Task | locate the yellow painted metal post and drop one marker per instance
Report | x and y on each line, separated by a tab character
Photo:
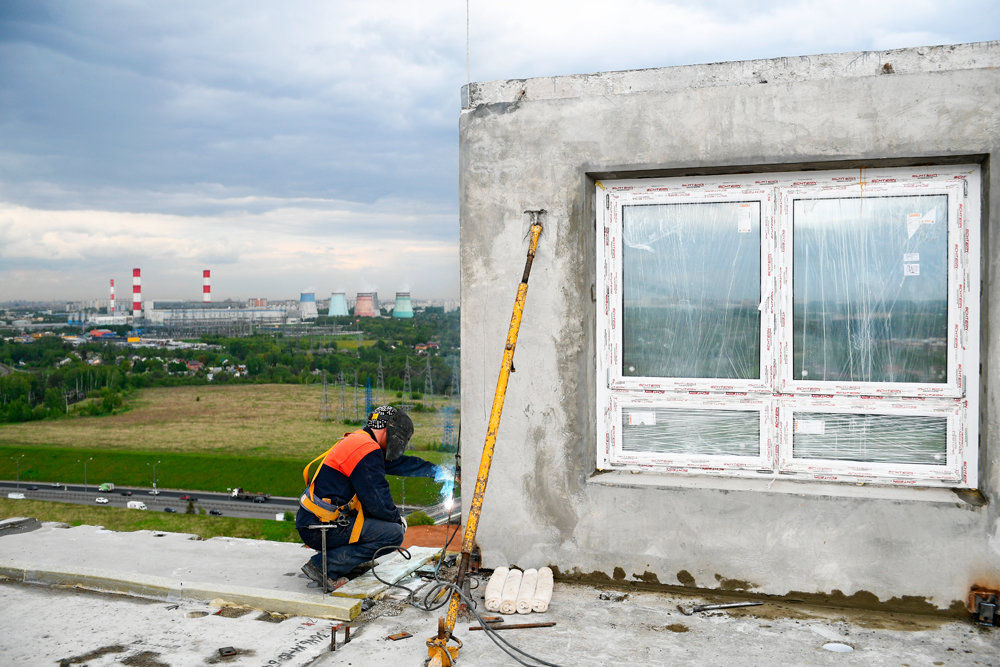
440	653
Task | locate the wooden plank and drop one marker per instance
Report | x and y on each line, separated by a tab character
392	568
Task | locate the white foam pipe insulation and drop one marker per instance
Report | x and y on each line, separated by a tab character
526	593
494	588
508	599
543	590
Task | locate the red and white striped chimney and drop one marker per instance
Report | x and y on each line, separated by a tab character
111	303
136	293
206	286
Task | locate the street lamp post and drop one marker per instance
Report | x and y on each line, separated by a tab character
154	473
85	472
17	461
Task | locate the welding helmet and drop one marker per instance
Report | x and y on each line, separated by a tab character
398	429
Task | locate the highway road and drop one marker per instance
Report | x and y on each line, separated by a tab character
172	498
221	502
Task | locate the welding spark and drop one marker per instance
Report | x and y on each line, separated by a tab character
446	477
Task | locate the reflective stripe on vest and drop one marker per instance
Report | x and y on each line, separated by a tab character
343	457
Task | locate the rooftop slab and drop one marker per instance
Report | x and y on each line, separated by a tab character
60	622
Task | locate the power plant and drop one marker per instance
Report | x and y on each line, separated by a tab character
193	317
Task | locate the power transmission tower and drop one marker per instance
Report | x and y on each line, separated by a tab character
324	408
342	384
454	389
428	380
380	387
407	389
357	406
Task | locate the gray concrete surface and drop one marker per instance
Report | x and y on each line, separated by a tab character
542	144
47	624
170	566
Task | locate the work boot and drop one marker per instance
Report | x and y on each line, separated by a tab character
359	570
313	573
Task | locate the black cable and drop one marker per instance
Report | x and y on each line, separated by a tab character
436	589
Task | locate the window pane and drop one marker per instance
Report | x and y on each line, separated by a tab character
870	287
870	438
674	431
691	288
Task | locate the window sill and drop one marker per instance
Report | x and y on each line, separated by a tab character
648	479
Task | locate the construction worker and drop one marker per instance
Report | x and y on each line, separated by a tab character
349	491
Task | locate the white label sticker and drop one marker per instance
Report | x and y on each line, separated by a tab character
743	223
911	269
810	426
642	419
930	217
913	222
911	257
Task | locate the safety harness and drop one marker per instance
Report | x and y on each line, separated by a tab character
326	511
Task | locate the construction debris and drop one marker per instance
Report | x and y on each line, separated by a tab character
687	611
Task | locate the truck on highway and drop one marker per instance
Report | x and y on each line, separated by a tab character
259	497
136	505
107	486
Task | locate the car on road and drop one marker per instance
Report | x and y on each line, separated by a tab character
154	492
187	497
169	509
215	512
58	485
32	488
125	493
101	500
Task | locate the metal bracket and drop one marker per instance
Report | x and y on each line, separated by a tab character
986	609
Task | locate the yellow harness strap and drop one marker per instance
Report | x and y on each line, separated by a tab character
326	511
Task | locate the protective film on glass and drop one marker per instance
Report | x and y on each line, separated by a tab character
691	290
686	431
870	438
870	289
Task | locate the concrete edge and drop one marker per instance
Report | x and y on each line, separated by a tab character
164	588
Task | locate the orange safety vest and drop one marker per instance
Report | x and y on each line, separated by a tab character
343	457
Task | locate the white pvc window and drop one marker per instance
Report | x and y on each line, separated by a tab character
811	324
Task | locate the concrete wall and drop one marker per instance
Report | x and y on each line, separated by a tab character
541	143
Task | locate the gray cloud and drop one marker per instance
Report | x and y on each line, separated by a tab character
278	140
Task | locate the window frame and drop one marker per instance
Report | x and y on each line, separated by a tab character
776	395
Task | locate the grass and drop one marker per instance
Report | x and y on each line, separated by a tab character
212	438
269	421
125	520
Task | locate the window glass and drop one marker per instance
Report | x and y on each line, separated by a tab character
870	438
870	289
691	290
687	431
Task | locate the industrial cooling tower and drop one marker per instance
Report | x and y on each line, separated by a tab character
338	304
365	305
403	308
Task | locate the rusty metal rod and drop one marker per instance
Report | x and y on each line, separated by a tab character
514	626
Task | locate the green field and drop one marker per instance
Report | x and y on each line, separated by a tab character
213	438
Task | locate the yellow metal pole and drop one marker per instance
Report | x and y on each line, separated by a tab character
440	653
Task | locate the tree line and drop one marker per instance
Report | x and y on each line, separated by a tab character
50	377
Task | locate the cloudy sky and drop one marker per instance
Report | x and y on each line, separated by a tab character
309	144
